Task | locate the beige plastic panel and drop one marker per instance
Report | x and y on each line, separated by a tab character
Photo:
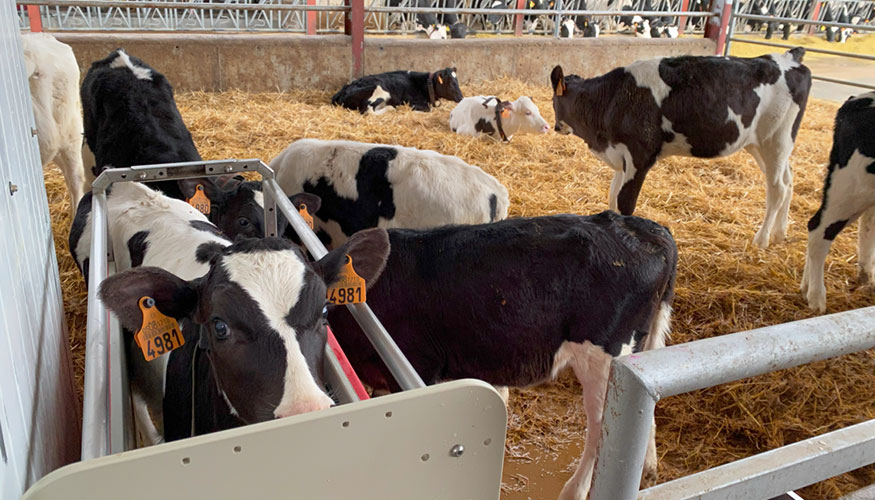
355	451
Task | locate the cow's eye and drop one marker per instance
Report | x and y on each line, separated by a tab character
325	312
221	329
243	221
528	113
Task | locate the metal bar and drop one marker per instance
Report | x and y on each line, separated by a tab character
730	27
844	82
815	15
558	19
725	18
623	435
518	18
95	399
388	350
357	18
527	12
753	17
134	4
36	22
120	417
682	22
776	471
807	49
709	362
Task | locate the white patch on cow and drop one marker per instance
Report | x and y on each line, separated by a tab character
646	75
785	61
334	231
379	93
429	189
258	197
672	31
628	348
123	60
678	146
274	280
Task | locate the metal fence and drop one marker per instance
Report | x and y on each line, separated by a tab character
638	381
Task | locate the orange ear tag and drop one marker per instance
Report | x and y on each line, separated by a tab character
200	201
305	214
349	287
159	334
440	80
505	113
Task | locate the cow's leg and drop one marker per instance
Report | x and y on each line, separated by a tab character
659	329
812	275
504	392
772	158
591	365
779	230
866	247
616	184
69	160
633	179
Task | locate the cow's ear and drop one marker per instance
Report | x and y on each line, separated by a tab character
214	189
557	79
310	201
369	250
122	292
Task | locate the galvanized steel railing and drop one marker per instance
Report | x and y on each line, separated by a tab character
638	381
105	414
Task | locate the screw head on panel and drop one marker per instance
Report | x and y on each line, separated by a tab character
457	451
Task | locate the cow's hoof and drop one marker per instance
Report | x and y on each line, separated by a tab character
817	301
761	239
778	236
648	478
866	278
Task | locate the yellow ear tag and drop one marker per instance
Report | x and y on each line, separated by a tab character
200	201
159	334
440	80
531	5
349	287
305	214
505	113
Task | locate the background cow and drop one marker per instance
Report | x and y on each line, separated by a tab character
53	76
501	120
848	194
690	106
516	301
376	94
374	185
131	119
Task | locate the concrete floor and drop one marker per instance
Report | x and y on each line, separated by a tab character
842	68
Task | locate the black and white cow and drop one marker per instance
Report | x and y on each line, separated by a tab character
130	118
374	185
516	301
703	107
376	94
848	194
492	117
250	314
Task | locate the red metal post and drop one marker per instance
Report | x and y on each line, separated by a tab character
717	28
36	22
357	14
682	22
815	15
312	19
518	19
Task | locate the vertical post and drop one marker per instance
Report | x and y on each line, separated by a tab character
312	21
626	427
718	25
36	22
347	24
558	20
682	24
518	19
357	14
815	16
730	31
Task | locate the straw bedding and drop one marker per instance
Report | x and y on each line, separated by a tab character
724	284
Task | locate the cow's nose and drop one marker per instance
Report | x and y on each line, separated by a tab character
557	128
545	129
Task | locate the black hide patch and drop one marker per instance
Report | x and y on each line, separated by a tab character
375	197
799	82
404	87
137	247
834	229
484	126
77	228
519	288
206	227
493	207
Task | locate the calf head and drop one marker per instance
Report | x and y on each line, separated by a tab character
446	85
524	118
563	104
258	315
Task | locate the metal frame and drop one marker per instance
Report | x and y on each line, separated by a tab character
638	381
106	415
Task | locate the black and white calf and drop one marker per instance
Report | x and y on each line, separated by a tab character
515	302
374	185
130	118
703	107
492	117
848	194
378	93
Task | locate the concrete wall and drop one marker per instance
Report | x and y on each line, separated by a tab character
271	62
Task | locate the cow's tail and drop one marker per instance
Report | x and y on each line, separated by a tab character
660	325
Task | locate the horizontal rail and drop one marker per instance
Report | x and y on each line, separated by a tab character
790	20
638	381
139	4
775	471
850	83
388	350
865	57
533	12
